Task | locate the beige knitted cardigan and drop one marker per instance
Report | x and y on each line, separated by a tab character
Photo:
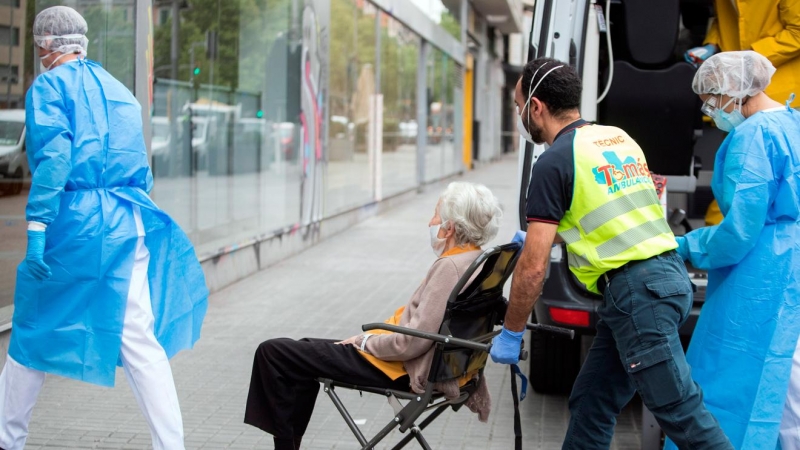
425	312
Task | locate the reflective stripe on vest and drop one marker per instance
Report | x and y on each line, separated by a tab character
615	216
622	205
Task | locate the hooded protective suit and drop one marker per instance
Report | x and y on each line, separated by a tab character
770	27
742	348
89	165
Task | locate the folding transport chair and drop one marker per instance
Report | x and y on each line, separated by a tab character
462	347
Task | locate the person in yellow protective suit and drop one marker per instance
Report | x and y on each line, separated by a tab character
770	27
713	214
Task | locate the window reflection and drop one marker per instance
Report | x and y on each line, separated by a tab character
353	101
443	154
444	13
237	118
399	55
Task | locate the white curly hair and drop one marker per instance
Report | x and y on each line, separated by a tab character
473	210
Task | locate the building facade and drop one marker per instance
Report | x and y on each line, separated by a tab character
274	123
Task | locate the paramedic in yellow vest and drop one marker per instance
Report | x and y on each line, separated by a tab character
770	27
592	190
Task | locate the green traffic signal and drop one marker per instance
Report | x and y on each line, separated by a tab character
196	71
260	114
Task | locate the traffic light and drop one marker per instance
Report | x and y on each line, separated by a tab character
196	78
260	114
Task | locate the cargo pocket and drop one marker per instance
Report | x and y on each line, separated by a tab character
668	288
674	302
655	375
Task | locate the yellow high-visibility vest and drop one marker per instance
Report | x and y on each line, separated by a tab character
615	216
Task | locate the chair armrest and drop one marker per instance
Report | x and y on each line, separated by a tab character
473	345
429	336
566	332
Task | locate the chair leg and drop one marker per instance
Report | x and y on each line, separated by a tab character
421	439
382	434
345	415
431	417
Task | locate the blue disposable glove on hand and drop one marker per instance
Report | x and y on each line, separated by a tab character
34	258
519	236
697	55
506	346
683	247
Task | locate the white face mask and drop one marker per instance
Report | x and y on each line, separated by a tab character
437	243
531	90
43	68
522	130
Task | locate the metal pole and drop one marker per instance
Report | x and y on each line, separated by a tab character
10	75
142	80
191	65
422	111
174	49
376	169
175	146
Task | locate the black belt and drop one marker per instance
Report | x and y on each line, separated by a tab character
605	278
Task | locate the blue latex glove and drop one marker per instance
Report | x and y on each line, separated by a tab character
698	55
506	347
519	236
683	247
34	257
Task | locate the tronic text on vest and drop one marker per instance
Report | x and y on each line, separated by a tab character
621	174
609	142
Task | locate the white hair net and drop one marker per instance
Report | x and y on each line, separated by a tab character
735	74
61	29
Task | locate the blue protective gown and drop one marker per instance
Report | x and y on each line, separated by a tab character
89	164
742	347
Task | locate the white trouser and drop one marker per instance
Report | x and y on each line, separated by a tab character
143	359
790	423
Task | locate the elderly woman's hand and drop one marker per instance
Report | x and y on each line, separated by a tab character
354	341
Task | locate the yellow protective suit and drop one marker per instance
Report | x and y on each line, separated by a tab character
713	214
770	27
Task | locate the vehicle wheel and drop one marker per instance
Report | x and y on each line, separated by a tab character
554	363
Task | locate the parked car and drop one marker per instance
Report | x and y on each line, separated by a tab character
408	130
200	141
160	146
285	133
13	159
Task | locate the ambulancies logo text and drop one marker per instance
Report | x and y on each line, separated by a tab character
619	174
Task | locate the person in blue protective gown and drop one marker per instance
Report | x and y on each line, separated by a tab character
109	279
744	350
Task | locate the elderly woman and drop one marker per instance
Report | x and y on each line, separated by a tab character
744	349
283	387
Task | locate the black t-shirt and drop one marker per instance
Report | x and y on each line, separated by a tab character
553	179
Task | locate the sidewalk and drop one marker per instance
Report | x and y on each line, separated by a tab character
359	276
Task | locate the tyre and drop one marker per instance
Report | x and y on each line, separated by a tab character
554	363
